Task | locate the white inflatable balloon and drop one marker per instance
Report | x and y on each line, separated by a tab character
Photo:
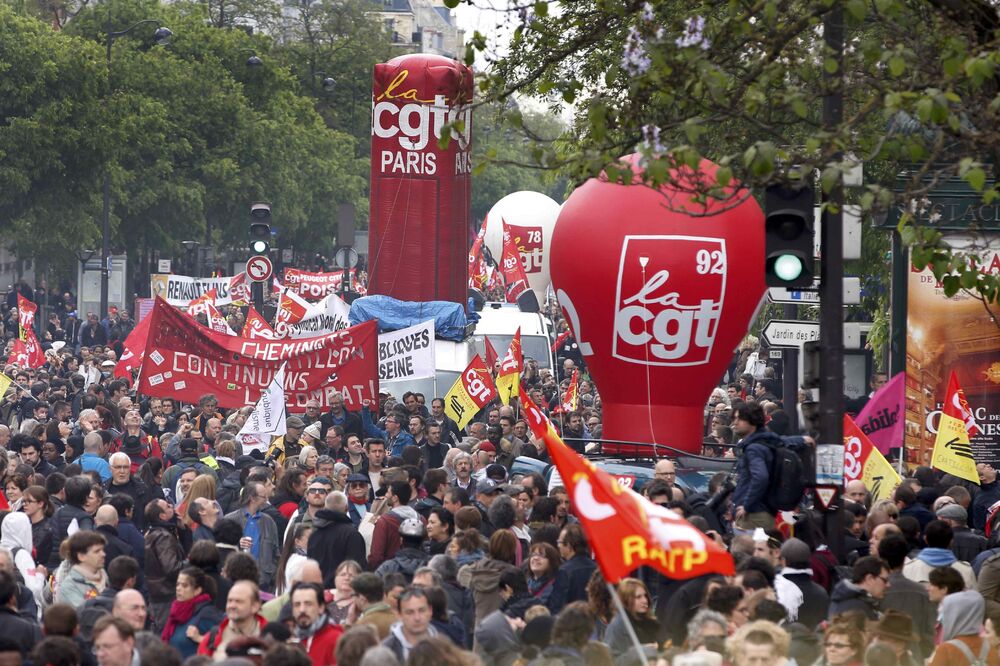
531	217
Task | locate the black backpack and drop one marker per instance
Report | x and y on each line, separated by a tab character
787	483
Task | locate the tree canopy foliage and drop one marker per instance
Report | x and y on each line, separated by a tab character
741	82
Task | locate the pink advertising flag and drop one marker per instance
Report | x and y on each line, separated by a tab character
882	418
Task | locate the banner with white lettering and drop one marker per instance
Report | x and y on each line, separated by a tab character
180	290
185	360
314	286
406	354
327	316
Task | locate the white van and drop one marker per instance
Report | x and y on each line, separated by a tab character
499	322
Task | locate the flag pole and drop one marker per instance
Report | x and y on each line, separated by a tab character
628	624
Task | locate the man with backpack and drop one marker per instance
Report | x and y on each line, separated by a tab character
769	473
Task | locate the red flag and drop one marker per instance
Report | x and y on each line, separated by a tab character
509	377
18	354
200	305
239	290
217	322
257	327
491	355
36	357
292	308
956	405
512	267
134	349
25	314
633	531
571	398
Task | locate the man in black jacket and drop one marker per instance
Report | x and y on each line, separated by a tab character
966	544
334	538
795	555
106	522
123	482
351	423
572	577
26	634
77	492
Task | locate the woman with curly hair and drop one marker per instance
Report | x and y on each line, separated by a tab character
843	644
599	603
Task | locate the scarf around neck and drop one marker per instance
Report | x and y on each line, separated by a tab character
181	613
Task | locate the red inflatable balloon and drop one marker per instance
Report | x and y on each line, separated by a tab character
658	299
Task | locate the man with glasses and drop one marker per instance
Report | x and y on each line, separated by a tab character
868	583
358	497
666	470
315	497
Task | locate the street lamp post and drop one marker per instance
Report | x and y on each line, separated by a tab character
161	35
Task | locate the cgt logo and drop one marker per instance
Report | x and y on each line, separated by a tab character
669	299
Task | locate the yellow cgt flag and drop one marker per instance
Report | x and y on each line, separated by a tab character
952	449
470	393
509	378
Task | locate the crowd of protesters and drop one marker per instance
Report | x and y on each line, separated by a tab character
138	531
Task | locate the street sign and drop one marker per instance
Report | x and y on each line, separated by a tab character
346	257
852	293
785	333
259	269
825	496
163	266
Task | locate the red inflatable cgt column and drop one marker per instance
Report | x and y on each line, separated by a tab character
658	299
420	193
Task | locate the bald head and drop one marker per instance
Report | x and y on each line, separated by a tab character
856	491
106	515
130	606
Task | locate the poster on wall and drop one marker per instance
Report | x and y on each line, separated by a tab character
945	334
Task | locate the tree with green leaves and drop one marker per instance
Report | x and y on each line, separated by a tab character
189	133
740	82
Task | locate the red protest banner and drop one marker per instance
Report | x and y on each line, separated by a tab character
314	286
185	360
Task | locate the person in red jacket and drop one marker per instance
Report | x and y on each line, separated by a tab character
313	627
243	618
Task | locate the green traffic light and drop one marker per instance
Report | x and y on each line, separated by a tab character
788	267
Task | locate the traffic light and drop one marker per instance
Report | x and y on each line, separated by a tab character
260	228
788	233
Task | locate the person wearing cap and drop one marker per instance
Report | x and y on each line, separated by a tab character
895	629
795	556
287	445
311	434
966	544
411	555
395	436
486	491
484	456
189	460
358	497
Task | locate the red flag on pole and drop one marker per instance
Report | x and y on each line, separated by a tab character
633	531
515	278
26	311
18	354
571	398
134	349
491	354
257	327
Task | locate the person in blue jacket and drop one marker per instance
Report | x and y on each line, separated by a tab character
396	438
755	453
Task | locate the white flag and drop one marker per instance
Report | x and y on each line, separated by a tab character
267	420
